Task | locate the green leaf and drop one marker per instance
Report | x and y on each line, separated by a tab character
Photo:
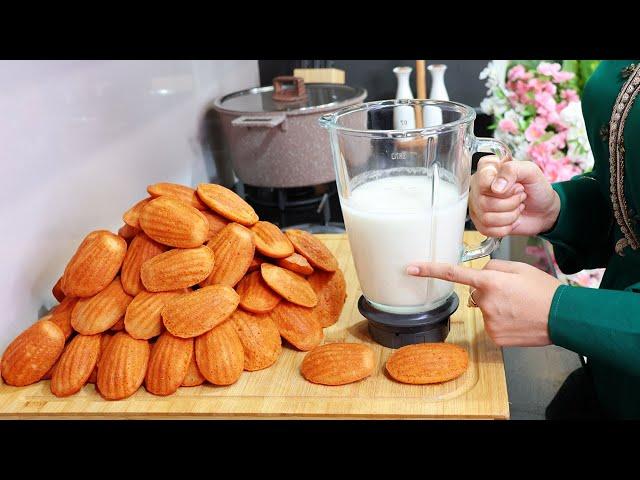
546	137
571	66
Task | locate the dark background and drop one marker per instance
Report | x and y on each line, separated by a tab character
461	78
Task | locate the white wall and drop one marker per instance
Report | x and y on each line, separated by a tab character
79	142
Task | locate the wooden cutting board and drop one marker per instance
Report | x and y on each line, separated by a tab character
281	392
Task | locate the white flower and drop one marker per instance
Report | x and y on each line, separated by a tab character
487	105
513	116
486	71
578	149
572	114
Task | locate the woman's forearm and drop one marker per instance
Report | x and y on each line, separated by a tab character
600	324
582	234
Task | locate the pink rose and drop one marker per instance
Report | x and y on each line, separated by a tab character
548	69
553	70
562	77
516	73
536	129
559	140
570	95
549	87
507	125
561	169
546	101
535	84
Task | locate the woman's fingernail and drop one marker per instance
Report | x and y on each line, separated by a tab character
521	207
413	270
499	185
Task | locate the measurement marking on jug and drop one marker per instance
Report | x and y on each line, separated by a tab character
399	156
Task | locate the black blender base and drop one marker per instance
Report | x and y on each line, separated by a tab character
395	331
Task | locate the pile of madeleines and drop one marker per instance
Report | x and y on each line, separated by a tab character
195	288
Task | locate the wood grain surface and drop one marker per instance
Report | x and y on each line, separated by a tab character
281	392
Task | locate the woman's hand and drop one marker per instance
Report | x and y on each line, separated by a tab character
511	197
514	297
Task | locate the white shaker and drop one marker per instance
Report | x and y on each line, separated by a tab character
433	116
403	117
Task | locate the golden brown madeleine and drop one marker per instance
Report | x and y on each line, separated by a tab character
178	268
174	223
331	289
61	315
227	203
428	363
119	324
193	378
260	339
102	311
179	192
122	366
143	319
94	265
132	216
220	355
216	223
141	249
256	262
297	325
255	294
47	376
104	340
57	290
75	365
32	354
289	285
233	249
128	232
197	312
338	363
296	263
168	364
270	241
311	248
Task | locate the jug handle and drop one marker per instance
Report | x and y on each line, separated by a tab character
489	244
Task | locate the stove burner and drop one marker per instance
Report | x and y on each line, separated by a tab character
395	331
309	208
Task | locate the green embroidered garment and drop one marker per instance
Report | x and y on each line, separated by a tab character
604	324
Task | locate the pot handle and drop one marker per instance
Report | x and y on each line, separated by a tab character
288	88
263	121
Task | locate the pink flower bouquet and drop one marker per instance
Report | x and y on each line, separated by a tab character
537	112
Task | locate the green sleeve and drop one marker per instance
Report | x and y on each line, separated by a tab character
582	235
603	325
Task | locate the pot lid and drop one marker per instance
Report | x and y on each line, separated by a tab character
319	97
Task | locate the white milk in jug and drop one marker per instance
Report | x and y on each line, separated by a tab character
389	224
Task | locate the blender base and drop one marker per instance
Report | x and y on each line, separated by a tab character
395	330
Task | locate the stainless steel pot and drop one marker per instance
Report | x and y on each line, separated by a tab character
273	133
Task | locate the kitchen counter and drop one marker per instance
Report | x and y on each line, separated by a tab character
281	392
